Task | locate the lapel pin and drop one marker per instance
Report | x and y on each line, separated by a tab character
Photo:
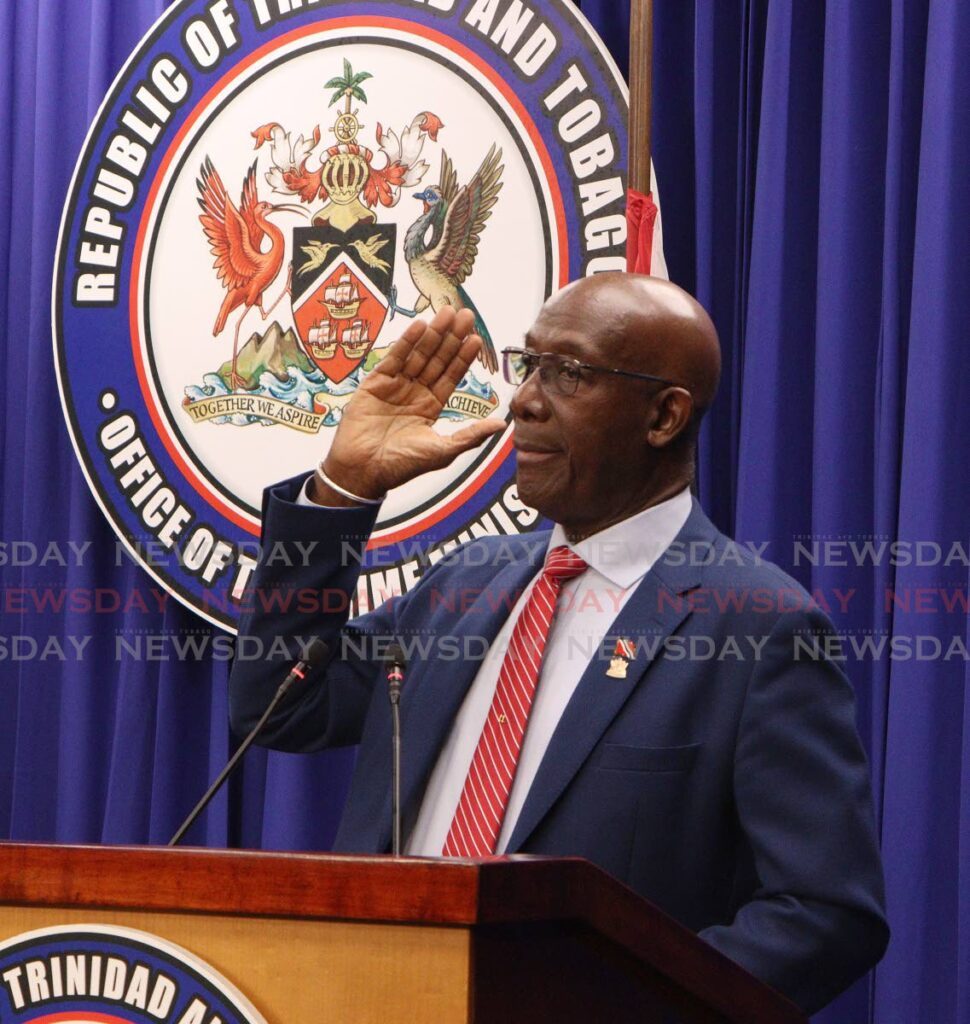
623	654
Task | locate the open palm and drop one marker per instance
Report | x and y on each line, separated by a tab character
386	435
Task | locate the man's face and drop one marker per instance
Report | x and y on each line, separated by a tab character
580	458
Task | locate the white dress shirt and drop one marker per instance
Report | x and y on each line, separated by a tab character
618	559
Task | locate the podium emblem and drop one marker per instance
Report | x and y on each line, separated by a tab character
92	974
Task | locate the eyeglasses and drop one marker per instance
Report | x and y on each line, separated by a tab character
559	374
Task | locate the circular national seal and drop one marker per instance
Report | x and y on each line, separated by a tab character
90	974
271	191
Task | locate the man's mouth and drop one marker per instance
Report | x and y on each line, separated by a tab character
533	449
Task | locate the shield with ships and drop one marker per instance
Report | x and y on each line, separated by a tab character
341	284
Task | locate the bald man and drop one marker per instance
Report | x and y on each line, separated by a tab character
632	705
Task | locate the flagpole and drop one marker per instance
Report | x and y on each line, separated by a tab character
641	73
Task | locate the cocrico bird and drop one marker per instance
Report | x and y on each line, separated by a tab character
442	244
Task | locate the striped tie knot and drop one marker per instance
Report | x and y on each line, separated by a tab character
562	564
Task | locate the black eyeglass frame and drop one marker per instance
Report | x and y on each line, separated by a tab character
537	357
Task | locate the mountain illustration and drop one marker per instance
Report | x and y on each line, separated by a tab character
373	358
271	352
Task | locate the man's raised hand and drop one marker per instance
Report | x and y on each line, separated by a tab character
385	437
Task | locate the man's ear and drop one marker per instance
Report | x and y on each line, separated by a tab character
672	413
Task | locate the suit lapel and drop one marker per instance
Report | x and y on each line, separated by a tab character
651	615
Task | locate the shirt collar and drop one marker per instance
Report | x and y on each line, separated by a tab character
626	551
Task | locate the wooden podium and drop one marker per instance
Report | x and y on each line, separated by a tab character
355	940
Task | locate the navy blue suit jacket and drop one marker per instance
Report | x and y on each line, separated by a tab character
729	789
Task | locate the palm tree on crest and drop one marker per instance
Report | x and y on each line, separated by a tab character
348	87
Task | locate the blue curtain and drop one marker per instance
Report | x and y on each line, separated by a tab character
108	748
814	176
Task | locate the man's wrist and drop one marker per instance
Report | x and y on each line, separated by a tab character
324	490
320	494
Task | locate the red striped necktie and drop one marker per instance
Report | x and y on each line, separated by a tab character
478	819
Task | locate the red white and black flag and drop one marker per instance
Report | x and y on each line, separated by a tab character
644	246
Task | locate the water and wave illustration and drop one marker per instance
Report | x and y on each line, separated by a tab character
306	391
278	373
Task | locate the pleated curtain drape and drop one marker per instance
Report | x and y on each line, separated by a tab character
814	174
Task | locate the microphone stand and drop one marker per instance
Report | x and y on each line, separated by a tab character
396	664
316	652
396	786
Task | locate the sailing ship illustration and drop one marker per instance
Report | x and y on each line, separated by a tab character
322	342
356	340
325	335
342	299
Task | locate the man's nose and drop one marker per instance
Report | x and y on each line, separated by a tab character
529	402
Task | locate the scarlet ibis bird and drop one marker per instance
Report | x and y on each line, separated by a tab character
236	239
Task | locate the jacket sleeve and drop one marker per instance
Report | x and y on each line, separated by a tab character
801	781
308	569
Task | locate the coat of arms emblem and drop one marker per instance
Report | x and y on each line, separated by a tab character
268	194
337	271
340	294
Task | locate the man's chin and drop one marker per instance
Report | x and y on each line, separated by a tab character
535	491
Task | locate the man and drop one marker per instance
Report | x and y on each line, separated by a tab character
690	752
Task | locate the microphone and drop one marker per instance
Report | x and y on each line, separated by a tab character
395	663
315	654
